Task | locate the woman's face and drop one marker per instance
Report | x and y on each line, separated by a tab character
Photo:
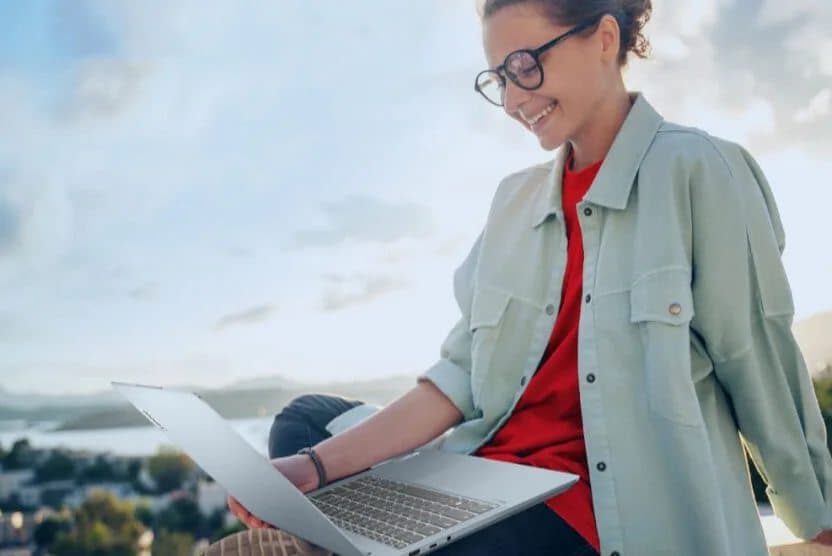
576	72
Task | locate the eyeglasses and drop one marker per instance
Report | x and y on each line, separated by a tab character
522	67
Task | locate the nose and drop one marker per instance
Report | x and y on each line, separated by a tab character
514	97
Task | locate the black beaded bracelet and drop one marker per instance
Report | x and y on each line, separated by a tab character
318	464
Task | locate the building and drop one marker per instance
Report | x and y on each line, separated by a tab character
12	481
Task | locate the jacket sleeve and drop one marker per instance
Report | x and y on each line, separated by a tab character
744	313
452	372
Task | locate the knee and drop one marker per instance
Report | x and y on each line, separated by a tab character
300	408
307	415
290	428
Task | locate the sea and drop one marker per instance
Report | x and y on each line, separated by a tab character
124	441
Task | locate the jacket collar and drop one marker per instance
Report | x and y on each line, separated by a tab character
617	174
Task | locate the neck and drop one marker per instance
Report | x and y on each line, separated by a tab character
593	142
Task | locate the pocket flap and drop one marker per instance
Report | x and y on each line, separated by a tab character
488	306
663	296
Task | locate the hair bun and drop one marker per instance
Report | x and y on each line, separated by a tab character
637	13
632	16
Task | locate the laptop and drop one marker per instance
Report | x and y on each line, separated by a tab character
408	505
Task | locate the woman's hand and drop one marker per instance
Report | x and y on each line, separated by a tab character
299	470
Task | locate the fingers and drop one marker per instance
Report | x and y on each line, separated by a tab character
245	516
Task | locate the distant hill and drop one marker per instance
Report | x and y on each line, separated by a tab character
28	401
272	381
240	400
815	338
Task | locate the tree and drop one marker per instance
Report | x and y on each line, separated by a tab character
167	543
169	469
144	513
823	391
14	504
98	471
48	530
183	516
103	526
216	522
57	466
20	456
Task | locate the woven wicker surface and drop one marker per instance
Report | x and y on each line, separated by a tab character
263	542
800	549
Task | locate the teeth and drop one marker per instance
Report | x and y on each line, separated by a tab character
542	114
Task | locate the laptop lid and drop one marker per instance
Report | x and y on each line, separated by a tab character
215	446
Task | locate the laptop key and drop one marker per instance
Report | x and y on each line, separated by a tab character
395	514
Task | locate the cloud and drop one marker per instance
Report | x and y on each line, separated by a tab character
250	316
145	292
819	107
357	290
104	87
36	223
367	219
748	66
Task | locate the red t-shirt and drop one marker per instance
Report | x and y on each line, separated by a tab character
546	430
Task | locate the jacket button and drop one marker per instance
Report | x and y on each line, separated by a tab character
601	466
523	381
588	211
588	298
615	553
550	310
590	378
675	309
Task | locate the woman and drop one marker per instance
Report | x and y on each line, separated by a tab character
625	315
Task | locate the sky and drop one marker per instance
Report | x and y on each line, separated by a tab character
204	192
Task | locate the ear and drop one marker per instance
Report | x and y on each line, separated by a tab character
609	34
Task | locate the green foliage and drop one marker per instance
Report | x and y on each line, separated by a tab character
144	513
823	389
167	543
103	526
169	469
182	516
99	471
48	530
14	504
134	467
216	521
20	456
58	466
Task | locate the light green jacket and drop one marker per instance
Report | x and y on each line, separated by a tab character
685	343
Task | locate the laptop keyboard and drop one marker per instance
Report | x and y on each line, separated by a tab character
394	513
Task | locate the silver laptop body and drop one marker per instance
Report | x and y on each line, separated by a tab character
447	496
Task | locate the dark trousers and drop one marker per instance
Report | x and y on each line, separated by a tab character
535	531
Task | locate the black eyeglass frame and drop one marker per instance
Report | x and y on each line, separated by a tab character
535	53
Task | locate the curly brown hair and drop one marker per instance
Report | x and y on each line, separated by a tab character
632	16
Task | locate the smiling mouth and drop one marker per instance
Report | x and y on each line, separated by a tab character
540	115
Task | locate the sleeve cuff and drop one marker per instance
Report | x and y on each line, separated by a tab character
802	521
350	418
453	381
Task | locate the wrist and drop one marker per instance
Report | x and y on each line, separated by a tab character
316	466
309	473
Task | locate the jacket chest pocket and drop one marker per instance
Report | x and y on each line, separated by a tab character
661	305
501	326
